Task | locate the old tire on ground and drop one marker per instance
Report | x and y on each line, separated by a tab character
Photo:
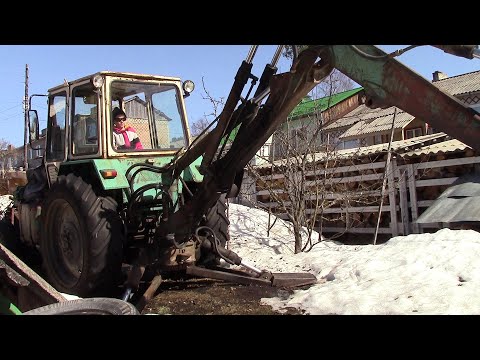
217	220
92	306
81	240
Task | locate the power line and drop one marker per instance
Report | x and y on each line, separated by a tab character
25	108
12	116
13	107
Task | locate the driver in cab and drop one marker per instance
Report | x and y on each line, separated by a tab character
124	135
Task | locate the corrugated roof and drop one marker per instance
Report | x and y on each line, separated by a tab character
363	113
310	106
448	146
461	84
377	126
422	144
399	147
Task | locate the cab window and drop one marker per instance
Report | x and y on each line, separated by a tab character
84	129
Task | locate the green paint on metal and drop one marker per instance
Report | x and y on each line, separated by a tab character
362	70
191	173
144	177
7	308
308	106
122	165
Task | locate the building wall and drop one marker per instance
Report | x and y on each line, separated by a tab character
14	158
342	108
143	131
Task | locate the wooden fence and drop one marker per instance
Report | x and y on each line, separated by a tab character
412	186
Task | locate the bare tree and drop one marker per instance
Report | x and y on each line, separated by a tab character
5	153
292	181
334	83
203	124
300	178
199	126
288	51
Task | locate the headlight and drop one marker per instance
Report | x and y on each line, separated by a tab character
97	81
188	86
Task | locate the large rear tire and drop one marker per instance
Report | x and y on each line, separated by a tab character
81	239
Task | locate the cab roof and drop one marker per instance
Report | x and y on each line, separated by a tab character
118	74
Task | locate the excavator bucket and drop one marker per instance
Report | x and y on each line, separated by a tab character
284	280
290	280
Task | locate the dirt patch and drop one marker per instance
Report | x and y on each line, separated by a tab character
212	297
202	296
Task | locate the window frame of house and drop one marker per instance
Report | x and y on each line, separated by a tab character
264	151
414	132
380	139
351	144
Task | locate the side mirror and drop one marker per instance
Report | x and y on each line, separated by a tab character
33	126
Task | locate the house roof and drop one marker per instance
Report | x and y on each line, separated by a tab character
143	108
380	125
310	106
364	113
366	121
427	144
448	146
460	84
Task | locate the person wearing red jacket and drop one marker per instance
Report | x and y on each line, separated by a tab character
124	136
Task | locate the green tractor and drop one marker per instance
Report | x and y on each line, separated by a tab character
93	205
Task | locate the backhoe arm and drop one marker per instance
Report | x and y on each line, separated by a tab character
286	91
386	81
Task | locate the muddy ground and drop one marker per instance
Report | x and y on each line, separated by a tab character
212	297
201	296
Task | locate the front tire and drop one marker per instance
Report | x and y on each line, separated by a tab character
81	240
217	220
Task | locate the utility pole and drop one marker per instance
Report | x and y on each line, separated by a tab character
25	108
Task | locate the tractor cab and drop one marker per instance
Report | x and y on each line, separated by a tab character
80	123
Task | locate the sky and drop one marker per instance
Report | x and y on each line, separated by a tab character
217	65
418	274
